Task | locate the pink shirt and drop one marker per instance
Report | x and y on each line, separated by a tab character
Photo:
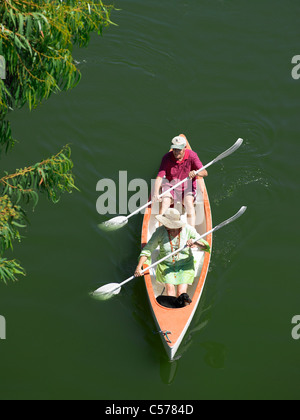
175	170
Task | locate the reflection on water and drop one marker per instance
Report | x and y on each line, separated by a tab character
168	370
214	357
215	354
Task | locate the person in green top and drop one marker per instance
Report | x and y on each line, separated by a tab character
178	270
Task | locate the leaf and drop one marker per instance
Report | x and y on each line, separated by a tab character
21	23
12	17
19	43
35	198
18	224
28	26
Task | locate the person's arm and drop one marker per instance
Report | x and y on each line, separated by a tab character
147	251
197	164
190	243
202	174
161	174
157	186
139	268
202	244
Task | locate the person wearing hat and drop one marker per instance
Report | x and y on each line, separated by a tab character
177	165
179	269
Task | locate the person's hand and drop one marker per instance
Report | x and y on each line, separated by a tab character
201	245
192	174
156	198
191	244
138	272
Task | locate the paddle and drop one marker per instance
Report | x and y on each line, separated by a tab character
109	290
120	221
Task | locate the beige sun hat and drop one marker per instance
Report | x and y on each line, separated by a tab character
171	219
178	142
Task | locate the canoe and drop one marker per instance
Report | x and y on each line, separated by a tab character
172	324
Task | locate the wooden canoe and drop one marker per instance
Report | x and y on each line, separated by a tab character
172	324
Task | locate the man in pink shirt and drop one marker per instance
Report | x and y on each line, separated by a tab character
177	165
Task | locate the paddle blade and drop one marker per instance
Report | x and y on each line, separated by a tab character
231	150
114	224
232	219
108	291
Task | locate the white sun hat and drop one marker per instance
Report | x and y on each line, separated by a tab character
171	219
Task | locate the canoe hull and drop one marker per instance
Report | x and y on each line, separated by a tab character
172	324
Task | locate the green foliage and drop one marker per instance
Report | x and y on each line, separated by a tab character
6	138
52	176
12	218
36	40
9	270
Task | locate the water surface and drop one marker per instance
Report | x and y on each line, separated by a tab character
215	71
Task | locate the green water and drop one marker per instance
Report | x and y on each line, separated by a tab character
215	71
